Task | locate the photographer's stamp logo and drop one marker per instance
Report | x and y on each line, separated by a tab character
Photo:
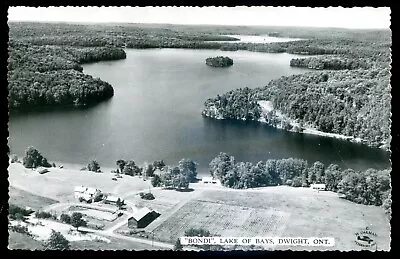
366	238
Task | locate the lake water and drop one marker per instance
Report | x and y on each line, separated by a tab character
156	114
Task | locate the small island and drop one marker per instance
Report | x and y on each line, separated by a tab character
219	61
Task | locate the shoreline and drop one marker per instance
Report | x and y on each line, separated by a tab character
309	131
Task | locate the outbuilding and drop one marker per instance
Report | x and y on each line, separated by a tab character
207	179
142	218
318	186
112	199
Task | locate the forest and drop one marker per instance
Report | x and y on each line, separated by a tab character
348	95
52	75
369	187
351	103
219	61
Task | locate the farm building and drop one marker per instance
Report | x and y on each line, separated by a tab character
112	199
86	193
142	218
318	186
207	179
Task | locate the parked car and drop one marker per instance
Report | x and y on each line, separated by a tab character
114	179
43	171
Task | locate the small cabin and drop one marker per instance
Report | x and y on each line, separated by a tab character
207	180
142	218
318	186
112	199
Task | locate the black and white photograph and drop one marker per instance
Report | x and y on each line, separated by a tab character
244	128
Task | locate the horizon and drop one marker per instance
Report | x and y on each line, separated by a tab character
189	25
365	18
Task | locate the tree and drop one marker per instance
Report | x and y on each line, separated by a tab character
188	167
158	164
121	164
220	165
166	178
77	220
316	173
197	232
333	175
33	158
148	170
156	181
178	246
387	203
93	166
120	203
181	181
57	241
65	218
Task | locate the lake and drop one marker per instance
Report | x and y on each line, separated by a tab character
156	114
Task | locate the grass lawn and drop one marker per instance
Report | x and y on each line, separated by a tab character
116	244
59	184
23	198
23	242
164	200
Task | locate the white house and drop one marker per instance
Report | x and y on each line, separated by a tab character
318	186
86	193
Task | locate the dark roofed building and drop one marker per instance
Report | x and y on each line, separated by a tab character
142	218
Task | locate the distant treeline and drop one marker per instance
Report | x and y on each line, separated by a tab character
375	43
353	103
332	63
52	75
369	187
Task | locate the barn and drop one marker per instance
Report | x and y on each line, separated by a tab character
142	218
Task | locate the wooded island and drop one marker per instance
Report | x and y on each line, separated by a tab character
219	61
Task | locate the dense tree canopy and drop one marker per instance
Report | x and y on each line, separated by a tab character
33	158
51	75
352	103
370	187
57	241
177	177
219	61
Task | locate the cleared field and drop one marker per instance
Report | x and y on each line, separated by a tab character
59	184
115	244
222	220
278	211
23	199
164	200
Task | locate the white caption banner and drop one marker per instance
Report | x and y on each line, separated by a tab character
259	241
